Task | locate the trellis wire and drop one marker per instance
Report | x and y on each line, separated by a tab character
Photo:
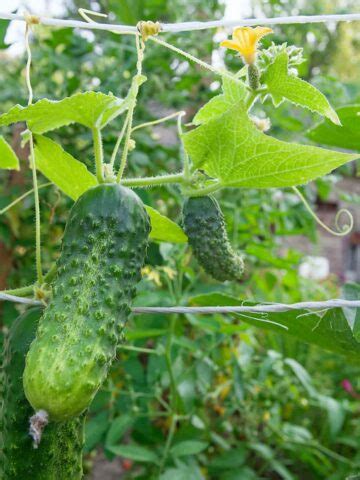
187	26
267	308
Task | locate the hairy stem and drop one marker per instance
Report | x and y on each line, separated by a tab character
137	80
26	194
153	181
159	120
118	142
203	64
99	154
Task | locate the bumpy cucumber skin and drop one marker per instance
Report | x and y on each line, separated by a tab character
104	248
59	455
204	224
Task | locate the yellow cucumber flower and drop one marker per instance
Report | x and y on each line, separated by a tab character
245	40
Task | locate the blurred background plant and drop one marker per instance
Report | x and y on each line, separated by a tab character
189	397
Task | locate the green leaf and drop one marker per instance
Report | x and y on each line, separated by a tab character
281	84
163	229
134	452
117	430
188	447
346	136
61	168
95	429
330	332
234	93
92	109
231	149
3	29
8	158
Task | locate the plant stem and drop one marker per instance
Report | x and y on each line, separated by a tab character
174	394
137	81
203	191
160	120
29	290
186	159
196	60
153	181
99	154
139	349
118	142
40	277
26	194
169	439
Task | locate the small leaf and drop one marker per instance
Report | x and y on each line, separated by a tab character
134	452
188	447
61	168
163	229
4	24
281	84
231	149
346	136
8	158
118	428
91	109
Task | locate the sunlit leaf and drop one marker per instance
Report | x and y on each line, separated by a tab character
282	84
91	109
231	149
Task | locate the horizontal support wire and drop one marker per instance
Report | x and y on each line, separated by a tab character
186	26
267	308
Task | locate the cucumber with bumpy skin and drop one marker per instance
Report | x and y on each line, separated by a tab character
204	224
104	248
59	455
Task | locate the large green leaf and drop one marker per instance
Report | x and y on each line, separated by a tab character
163	229
330	331
8	158
73	178
346	136
92	109
282	84
231	149
61	168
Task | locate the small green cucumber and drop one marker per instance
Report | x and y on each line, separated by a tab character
204	224
103	250
59	455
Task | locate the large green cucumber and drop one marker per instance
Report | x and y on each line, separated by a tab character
59	455
205	227
104	248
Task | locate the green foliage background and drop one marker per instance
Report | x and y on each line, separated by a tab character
210	401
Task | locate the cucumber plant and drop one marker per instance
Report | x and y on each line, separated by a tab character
105	239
